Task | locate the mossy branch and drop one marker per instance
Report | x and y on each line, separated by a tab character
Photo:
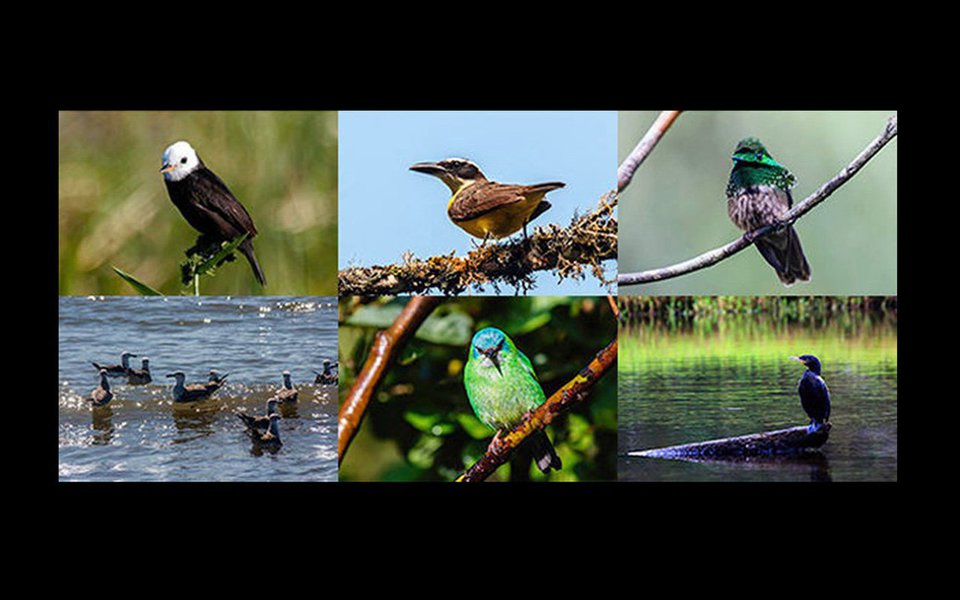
387	345
716	255
571	394
587	242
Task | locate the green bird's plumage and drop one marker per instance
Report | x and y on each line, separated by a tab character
502	386
758	194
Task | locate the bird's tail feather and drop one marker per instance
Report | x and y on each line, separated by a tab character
246	248
785	254
544	453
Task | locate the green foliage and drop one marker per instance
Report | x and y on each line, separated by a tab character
422	428
114	207
142	288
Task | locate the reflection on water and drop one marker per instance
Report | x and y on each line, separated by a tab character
692	384
142	435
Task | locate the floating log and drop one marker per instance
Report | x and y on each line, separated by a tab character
783	441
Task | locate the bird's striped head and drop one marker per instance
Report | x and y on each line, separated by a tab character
811	362
491	347
455	172
179	160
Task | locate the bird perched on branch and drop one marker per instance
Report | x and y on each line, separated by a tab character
117	370
193	391
101	395
487	209
814	395
207	204
502	388
758	194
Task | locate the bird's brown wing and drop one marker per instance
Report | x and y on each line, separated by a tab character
215	198
481	198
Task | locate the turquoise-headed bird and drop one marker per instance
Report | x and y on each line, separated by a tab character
758	194
502	387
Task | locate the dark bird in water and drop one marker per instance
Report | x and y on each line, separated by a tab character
814	395
194	391
329	375
758	194
207	204
483	208
259	423
287	394
140	376
270	439
101	395
216	377
117	370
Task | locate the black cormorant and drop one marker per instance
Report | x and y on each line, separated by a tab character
814	395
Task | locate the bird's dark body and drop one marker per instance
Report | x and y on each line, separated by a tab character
814	397
112	370
209	207
757	205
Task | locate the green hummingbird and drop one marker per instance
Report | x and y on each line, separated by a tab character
502	388
758	194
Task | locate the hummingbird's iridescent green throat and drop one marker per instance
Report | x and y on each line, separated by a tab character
753	165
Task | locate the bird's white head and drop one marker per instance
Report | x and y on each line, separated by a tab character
179	160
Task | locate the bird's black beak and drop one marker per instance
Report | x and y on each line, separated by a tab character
494	355
166	168
430	168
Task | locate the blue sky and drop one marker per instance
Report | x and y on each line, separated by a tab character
385	209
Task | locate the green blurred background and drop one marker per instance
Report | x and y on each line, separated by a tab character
420	427
114	209
675	208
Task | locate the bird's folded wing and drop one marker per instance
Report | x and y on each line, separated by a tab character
216	199
478	200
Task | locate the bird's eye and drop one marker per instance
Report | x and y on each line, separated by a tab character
759	155
183	160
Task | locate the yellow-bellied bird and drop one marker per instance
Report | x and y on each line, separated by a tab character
487	209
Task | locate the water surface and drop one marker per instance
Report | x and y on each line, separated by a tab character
679	386
142	435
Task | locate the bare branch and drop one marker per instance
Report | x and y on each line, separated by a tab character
386	346
629	166
574	392
718	254
587	241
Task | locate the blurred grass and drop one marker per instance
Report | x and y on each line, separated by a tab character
114	208
675	208
420	426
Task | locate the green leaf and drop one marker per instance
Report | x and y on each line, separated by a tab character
144	289
473	426
224	252
448	325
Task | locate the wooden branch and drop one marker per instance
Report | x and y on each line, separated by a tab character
716	255
386	346
783	441
587	241
571	394
639	154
